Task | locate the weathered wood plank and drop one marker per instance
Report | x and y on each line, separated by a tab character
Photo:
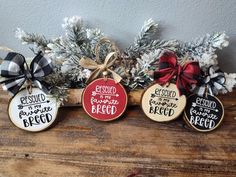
80	146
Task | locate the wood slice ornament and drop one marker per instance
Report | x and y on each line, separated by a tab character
165	101
35	111
203	113
30	108
162	103
104	100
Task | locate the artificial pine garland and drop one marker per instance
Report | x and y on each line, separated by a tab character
135	65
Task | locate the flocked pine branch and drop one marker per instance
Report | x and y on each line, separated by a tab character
146	42
148	31
149	61
136	64
74	30
77	43
66	46
39	41
230	82
142	72
145	52
204	49
59	85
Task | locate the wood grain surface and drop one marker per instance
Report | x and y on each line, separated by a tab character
131	146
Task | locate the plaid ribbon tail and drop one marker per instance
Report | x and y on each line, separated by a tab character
40	67
13	85
42	85
212	84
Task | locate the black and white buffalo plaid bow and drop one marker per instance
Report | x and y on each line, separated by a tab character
16	71
212	82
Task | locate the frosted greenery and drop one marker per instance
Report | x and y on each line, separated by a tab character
136	64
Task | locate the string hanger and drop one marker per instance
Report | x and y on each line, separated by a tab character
97	65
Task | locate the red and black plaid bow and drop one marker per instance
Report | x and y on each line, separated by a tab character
186	75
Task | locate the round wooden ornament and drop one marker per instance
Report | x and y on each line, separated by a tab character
104	100
203	113
162	103
35	111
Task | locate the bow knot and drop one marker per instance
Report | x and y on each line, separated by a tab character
16	74
207	79
28	75
185	75
102	67
180	70
99	68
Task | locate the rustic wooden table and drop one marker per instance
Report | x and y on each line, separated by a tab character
131	146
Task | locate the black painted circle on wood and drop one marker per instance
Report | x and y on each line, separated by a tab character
203	113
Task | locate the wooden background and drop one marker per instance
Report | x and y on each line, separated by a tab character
131	146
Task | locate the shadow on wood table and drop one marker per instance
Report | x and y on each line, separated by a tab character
131	146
